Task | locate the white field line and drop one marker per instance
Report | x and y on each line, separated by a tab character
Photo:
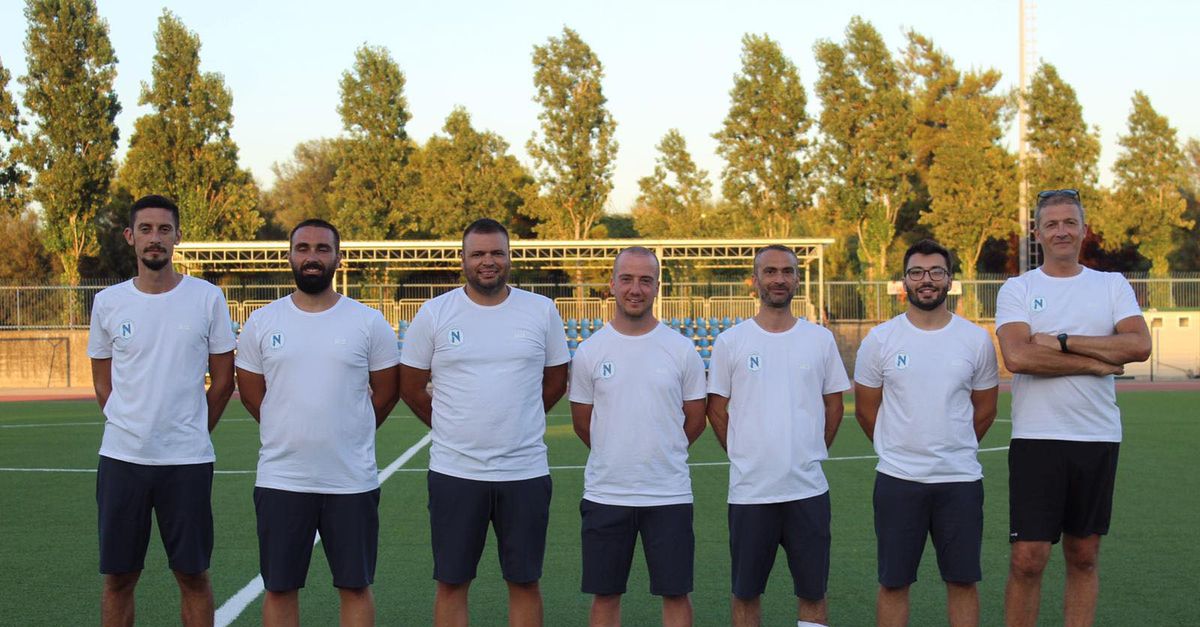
42	425
231	609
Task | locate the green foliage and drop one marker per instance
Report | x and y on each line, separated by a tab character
1063	150
373	176
575	152
70	98
1150	174
14	179
675	199
864	156
183	148
1187	252
465	175
763	140
302	187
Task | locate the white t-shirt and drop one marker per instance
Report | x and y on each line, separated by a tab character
925	430
159	344
775	383
486	366
636	385
316	423
1075	407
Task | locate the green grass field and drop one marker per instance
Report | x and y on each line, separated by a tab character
49	554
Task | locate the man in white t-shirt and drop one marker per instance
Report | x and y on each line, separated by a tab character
1065	330
925	388
318	371
152	339
497	358
775	403
637	401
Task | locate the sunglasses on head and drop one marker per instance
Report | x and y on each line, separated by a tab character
1051	193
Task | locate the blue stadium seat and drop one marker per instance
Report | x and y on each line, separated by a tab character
704	342
403	324
585	334
726	323
713	325
706	364
674	323
597	324
705	354
572	344
687	322
400	333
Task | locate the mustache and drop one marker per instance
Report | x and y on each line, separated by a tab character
313	265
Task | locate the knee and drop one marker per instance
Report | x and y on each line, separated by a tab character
1084	558
122	583
1028	564
193	582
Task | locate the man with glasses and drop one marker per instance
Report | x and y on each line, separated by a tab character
1065	331
925	388
775	404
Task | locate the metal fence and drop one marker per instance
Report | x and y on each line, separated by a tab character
63	307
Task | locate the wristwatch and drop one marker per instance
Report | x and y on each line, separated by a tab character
1062	342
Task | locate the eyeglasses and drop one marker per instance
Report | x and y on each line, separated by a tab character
1051	193
935	273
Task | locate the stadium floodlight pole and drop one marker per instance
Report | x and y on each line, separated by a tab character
1022	156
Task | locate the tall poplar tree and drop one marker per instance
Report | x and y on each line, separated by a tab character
72	105
864	156
764	140
674	199
575	151
1063	149
183	147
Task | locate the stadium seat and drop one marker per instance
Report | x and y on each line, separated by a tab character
705	354
585	334
726	323
706	364
597	324
713	326
572	344
704	342
674	323
687	322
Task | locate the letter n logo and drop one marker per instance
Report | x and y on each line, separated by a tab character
455	336
606	370
902	361
754	362
276	339
1038	304
126	329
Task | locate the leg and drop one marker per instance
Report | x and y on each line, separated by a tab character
450	604
524	604
747	612
810	611
962	604
357	607
116	599
1083	579
891	607
606	611
281	609
806	540
1024	590
195	599
677	611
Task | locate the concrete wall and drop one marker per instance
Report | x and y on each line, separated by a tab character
44	359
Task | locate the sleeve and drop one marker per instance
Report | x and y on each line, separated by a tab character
385	352
868	368
987	369
835	370
249	354
99	340
1010	306
557	352
720	371
220	326
581	378
418	340
1124	301
694	387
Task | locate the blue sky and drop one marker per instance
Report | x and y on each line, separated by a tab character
668	63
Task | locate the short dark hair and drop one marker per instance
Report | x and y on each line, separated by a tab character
929	247
153	201
319	223
484	226
1056	199
779	247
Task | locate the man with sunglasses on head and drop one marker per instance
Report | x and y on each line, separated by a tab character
1065	330
925	388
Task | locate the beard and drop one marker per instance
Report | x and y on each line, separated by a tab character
778	302
313	283
492	287
155	263
927	305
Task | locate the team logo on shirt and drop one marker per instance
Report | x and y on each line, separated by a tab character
275	340
455	337
1038	303
754	362
606	370
901	360
125	329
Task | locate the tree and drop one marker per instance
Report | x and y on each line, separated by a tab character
1063	150
865	156
373	177
1148	205
763	140
69	95
302	186
1187	252
183	147
465	175
14	179
575	152
673	199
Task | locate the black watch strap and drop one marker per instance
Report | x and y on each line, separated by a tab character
1062	342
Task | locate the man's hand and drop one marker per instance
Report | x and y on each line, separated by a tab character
1047	340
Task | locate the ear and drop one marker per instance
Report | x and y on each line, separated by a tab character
128	236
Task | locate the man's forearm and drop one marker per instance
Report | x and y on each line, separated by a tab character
1034	359
1119	349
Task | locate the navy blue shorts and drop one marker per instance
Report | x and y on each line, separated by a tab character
757	531
906	512
181	499
460	511
1060	486
610	532
288	522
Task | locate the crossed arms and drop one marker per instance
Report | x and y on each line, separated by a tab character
1040	354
